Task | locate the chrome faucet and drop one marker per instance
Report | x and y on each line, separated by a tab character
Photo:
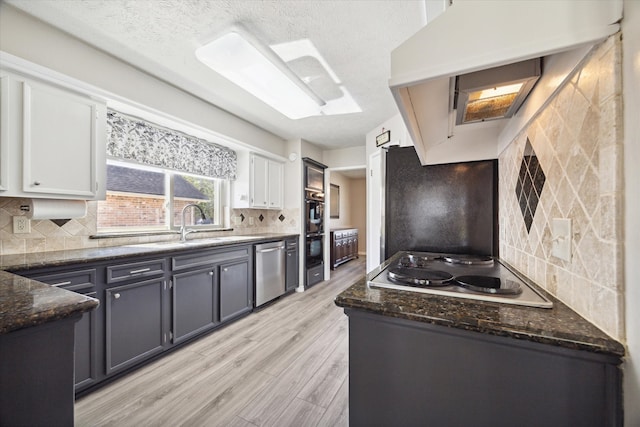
183	227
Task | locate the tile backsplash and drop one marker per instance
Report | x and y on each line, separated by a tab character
576	141
46	235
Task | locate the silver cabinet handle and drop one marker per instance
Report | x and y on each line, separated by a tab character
116	296
316	275
36	183
142	270
225	269
211	273
63	283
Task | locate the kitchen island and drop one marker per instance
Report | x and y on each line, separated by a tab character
419	359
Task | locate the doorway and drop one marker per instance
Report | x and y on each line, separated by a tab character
346	206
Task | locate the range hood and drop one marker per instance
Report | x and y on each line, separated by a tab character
475	35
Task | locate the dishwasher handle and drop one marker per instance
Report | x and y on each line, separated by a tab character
279	248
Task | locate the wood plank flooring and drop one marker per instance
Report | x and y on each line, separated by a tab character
285	365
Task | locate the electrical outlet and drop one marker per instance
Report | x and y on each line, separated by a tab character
21	225
561	243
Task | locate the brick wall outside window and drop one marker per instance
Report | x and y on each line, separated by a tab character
123	210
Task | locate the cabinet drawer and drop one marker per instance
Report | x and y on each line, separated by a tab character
315	275
291	244
122	272
81	281
207	258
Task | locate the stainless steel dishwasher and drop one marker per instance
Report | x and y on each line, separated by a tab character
270	271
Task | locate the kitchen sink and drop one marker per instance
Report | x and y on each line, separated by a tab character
193	242
175	245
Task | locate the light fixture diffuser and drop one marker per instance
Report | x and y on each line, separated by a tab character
259	71
496	93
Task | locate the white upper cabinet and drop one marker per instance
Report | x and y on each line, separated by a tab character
266	183
276	183
259	182
56	140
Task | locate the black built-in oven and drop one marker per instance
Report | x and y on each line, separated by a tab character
314	206
314	252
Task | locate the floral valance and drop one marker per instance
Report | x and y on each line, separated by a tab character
134	139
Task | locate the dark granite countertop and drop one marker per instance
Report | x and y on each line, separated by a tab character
559	326
75	256
25	302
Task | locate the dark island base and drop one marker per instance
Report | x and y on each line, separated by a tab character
36	375
409	373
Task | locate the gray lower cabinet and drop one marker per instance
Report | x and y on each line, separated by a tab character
134	323
408	373
194	303
210	287
86	372
86	329
148	305
292	278
236	294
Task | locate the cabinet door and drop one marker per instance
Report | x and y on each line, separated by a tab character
85	367
259	182
134	323
60	137
194	303
236	293
292	277
276	175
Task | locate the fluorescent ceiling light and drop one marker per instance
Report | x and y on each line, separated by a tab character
247	66
291	77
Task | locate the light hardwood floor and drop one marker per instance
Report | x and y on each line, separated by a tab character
285	365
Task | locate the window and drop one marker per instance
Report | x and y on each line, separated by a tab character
141	198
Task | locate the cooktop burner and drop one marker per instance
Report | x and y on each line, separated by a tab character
489	285
462	276
418	276
412	260
468	259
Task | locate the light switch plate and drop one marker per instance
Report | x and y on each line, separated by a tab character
561	244
21	225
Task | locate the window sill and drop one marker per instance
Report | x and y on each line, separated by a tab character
153	233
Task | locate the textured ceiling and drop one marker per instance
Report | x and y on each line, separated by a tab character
160	37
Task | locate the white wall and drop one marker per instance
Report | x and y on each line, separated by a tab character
308	149
350	157
359	211
42	44
631	89
375	182
346	200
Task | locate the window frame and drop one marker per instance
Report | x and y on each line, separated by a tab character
222	187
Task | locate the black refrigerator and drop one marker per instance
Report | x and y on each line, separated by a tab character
450	208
